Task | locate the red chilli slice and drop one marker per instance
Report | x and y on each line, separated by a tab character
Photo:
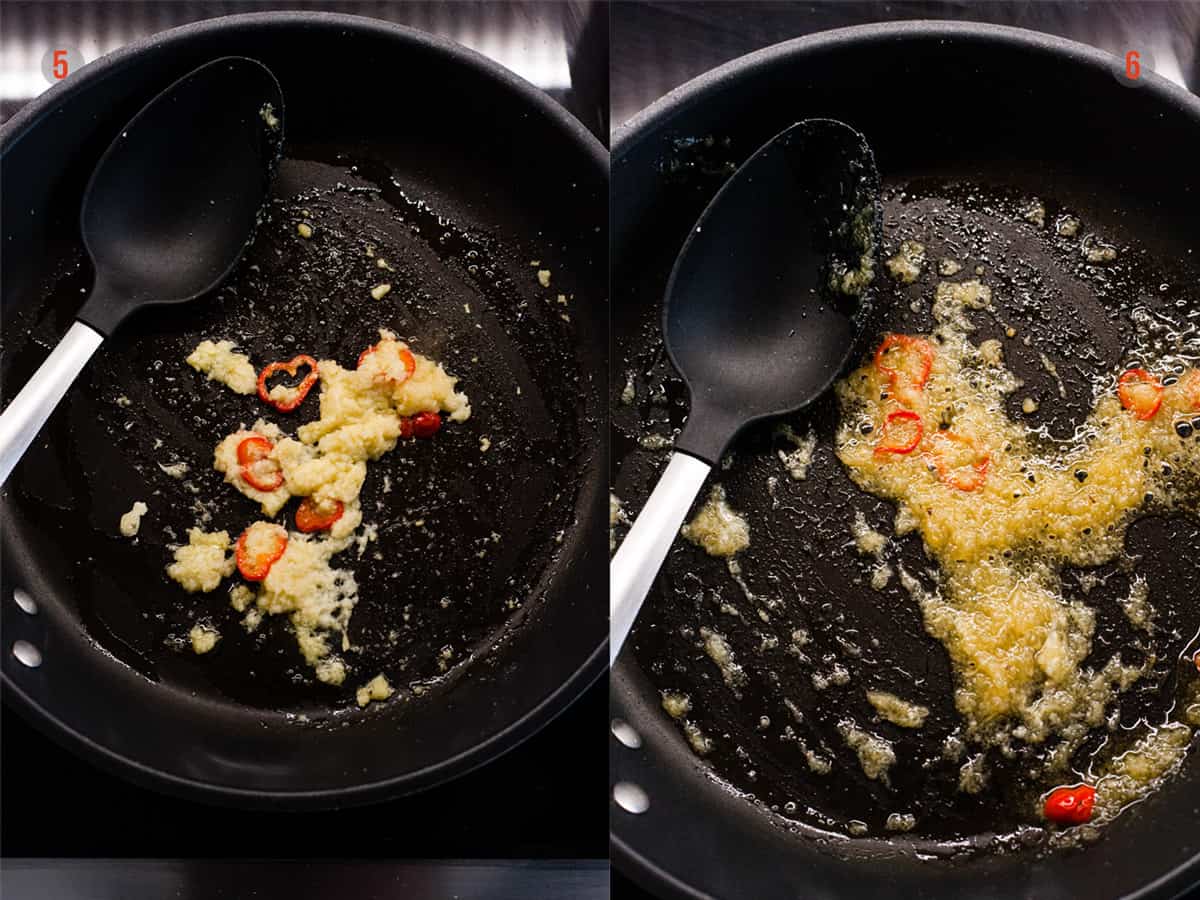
311	516
1141	393
965	478
426	424
890	443
906	362
1070	805
423	425
291	367
257	469
258	548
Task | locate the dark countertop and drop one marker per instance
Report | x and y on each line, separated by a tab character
304	880
532	803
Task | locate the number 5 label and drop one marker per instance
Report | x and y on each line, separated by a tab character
61	61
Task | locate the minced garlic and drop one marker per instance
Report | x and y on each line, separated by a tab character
717	528
1095	250
799	459
719	651
267	114
1017	645
203	637
203	561
132	520
175	470
361	413
1035	212
868	541
317	597
220	363
677	705
897	711
1066	226
906	265
241	597
1140	769
616	516
375	689
875	754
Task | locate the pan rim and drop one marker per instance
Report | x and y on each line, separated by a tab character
680	99
656	117
535	718
100	68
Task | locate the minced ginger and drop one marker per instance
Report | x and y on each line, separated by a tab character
361	412
1001	514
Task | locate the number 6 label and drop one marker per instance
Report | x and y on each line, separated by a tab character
1131	68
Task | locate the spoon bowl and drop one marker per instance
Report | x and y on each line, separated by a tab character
752	318
173	201
762	311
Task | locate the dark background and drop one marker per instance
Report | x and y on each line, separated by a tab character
655	47
540	801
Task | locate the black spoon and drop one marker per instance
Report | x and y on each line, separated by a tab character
761	314
169	209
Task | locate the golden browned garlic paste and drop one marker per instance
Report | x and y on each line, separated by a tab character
1002	511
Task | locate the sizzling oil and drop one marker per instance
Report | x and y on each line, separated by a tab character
807	605
1002	533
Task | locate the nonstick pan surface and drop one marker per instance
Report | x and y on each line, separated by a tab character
477	598
968	123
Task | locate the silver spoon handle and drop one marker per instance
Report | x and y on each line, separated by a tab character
641	554
29	410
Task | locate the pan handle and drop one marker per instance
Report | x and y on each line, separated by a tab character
641	554
29	410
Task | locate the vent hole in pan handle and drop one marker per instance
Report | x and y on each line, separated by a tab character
25	602
27	654
630	797
625	733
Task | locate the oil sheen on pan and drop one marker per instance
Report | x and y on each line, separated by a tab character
946	601
342	478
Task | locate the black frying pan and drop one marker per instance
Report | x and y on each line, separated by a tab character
459	174
970	121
